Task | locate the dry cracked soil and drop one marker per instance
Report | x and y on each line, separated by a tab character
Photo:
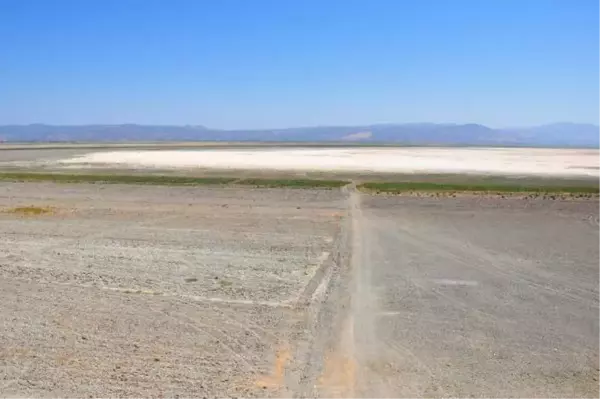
149	291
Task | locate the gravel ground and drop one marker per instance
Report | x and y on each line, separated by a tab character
156	291
148	291
472	296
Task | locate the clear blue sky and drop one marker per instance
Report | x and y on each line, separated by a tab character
279	63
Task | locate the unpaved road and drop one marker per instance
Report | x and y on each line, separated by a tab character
151	291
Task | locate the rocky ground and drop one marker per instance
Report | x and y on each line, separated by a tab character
113	290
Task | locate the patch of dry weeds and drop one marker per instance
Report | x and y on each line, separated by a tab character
31	210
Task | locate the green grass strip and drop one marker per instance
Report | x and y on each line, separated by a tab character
381	187
297	183
104	178
166	180
388	187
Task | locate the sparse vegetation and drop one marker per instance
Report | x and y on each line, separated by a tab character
499	186
168	180
298	183
225	283
491	187
114	178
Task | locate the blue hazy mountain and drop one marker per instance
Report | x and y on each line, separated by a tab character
552	135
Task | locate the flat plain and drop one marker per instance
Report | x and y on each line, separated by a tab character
115	290
350	159
477	297
149	290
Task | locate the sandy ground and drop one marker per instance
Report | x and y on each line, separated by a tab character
145	291
506	161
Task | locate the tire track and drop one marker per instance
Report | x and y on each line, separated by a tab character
480	261
221	338
406	236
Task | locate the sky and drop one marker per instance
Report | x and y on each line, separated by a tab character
283	63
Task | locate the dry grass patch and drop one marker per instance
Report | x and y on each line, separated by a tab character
31	210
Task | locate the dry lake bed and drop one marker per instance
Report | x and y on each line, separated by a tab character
391	160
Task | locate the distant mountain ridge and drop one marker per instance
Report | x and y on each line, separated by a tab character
552	135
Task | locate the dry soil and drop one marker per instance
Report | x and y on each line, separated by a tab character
147	291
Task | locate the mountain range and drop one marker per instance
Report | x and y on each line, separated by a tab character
551	135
